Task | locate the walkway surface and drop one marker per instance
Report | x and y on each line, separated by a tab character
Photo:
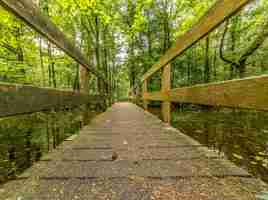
127	154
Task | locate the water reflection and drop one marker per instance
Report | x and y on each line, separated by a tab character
25	138
242	136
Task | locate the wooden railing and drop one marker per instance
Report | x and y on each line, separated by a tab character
21	99
251	93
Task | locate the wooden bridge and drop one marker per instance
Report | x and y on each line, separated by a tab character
127	153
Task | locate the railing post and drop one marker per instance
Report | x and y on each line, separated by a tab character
84	88
165	87
145	90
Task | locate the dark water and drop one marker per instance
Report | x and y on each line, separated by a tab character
24	139
242	136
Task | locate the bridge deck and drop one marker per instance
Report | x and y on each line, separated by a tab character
153	161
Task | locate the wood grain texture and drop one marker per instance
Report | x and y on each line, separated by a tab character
144	90
19	99
156	96
29	13
165	87
249	93
221	10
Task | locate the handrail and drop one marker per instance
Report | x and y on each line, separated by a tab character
22	99
247	93
223	94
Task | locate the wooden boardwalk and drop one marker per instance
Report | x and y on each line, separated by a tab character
127	154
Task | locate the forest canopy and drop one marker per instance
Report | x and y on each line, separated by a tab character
124	38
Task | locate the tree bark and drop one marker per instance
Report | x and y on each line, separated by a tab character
207	62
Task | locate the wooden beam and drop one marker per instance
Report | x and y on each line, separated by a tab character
19	99
29	13
249	93
156	96
165	87
221	10
144	91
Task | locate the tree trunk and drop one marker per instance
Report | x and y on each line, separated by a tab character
207	62
97	54
42	61
28	147
48	133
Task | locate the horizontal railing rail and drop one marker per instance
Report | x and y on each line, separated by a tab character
248	93
22	99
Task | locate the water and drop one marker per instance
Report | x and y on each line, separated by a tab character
25	138
240	135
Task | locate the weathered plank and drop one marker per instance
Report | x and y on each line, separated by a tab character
144	90
25	10
19	99
156	96
249	93
166	86
222	10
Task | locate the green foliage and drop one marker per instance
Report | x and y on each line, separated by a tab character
263	196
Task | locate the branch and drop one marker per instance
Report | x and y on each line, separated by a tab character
255	45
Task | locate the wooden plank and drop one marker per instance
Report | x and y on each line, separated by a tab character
249	93
156	96
221	10
27	11
166	86
166	78
19	99
144	90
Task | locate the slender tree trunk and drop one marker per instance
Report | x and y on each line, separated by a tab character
215	64
189	67
54	81
233	45
166	28
97	53
207	62
48	133
49	64
76	84
54	132
12	160
42	61
28	147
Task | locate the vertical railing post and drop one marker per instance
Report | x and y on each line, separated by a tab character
145	90
165	87
132	95
84	76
